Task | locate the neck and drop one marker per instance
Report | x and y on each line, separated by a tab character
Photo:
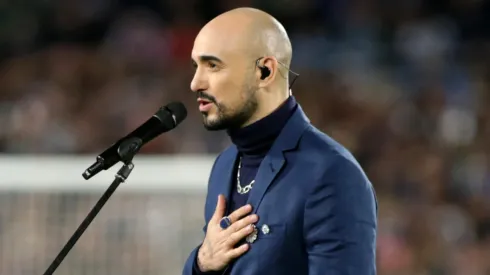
256	138
270	102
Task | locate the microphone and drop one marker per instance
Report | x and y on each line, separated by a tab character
164	120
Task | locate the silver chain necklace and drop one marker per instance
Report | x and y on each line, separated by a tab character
242	190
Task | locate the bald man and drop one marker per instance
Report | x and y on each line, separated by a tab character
285	198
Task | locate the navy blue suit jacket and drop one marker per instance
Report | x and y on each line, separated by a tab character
319	205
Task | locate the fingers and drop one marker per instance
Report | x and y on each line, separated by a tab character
240	212
219	212
236	252
235	237
243	223
236	217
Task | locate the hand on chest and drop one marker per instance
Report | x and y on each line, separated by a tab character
274	196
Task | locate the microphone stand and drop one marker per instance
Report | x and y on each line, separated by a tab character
127	150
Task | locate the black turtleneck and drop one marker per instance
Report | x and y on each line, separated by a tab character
253	143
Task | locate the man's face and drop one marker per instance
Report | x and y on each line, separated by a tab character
224	82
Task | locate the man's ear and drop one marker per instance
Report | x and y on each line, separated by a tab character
267	70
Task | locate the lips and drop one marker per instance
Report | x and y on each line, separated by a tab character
204	104
203	101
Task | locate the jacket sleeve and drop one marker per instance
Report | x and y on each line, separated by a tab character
191	267
340	222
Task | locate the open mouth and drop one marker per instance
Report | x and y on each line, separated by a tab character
204	105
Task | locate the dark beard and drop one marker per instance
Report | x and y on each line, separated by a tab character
227	119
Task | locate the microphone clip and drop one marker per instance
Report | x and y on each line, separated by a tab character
126	151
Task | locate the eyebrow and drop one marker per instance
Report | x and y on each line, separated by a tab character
204	58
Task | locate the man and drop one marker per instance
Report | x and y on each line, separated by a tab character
284	198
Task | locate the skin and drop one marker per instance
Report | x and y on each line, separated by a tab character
226	75
224	55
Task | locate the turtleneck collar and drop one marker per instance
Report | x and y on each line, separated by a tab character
256	139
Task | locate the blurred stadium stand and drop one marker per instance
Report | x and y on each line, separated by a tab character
405	85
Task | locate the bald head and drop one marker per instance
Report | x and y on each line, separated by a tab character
225	53
253	32
264	35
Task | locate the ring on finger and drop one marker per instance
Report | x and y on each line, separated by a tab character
225	222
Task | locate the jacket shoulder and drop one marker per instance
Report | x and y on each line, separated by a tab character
325	149
331	162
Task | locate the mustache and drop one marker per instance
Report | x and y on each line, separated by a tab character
203	95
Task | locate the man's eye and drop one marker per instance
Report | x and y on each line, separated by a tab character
212	65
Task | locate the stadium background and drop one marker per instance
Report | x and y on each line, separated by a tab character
403	84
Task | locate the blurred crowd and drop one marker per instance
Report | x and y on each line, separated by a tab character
405	85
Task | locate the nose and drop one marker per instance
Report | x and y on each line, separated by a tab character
199	82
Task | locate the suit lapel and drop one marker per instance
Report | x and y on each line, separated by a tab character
268	171
275	160
226	175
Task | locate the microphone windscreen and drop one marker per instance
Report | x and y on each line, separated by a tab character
178	110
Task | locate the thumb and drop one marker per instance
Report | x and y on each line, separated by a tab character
219	212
